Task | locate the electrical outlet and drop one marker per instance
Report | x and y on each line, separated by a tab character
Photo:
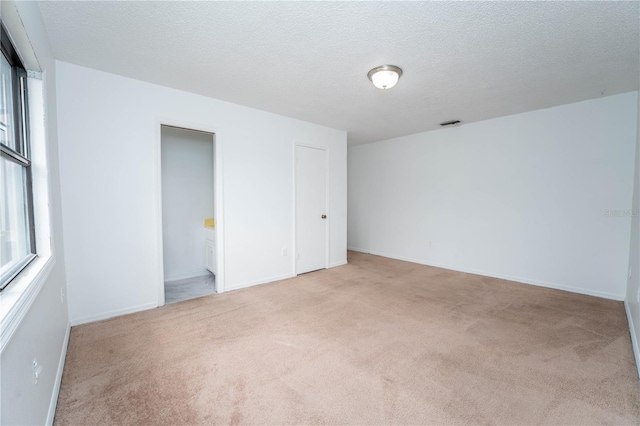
284	251
430	244
62	295
37	370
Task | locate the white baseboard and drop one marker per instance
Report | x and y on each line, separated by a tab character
258	282
538	283
112	314
177	277
361	250
634	340
340	263
56	384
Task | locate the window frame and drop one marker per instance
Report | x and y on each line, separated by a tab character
21	155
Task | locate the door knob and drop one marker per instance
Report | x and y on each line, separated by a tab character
324	216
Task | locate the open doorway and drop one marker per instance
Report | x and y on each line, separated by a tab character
188	213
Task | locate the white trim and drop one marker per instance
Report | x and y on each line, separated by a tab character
634	340
294	244
112	314
159	232
327	204
56	385
538	283
361	250
340	263
195	274
16	300
218	197
261	281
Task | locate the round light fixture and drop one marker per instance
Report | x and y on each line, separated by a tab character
385	76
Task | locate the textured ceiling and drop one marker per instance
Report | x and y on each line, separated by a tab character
309	60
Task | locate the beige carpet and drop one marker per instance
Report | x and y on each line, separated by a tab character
378	341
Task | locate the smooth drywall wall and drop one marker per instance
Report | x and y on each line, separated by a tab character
632	301
529	197
41	334
187	200
110	190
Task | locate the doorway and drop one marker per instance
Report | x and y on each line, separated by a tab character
188	213
311	209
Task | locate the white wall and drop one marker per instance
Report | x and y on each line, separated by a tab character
41	334
187	199
107	127
633	290
521	197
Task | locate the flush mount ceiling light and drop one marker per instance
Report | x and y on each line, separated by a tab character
385	76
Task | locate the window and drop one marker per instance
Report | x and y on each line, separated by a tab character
17	236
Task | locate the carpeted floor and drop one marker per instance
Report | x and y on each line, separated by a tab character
377	341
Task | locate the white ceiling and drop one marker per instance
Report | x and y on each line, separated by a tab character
309	60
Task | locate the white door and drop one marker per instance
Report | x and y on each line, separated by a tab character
311	209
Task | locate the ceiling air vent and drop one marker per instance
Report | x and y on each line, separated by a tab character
450	123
